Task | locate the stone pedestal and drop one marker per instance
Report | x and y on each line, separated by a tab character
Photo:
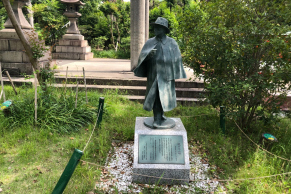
12	53
160	156
73	47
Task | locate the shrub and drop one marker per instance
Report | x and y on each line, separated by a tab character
98	42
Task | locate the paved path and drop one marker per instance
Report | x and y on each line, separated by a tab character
102	68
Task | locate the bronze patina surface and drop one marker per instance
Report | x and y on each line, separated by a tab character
161	62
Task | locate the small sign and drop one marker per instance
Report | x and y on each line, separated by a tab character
161	149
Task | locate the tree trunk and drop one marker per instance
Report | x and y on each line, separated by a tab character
21	36
118	32
111	30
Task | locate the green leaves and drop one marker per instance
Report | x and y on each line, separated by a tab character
3	15
49	20
240	49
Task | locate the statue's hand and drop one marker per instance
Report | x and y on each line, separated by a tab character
152	54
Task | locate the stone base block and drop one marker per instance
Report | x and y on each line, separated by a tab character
11	45
11	34
79	43
73	49
73	37
19	57
13	57
73	56
160	156
24	68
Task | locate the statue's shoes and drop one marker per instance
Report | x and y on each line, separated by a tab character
164	118
157	124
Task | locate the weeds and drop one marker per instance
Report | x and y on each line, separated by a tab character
56	111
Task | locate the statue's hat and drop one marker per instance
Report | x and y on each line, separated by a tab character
162	22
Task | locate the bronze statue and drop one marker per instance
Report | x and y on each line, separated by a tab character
161	62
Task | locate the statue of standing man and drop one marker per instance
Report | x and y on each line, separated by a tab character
161	62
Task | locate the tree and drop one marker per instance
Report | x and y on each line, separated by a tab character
163	11
49	19
110	9
240	50
171	3
105	19
93	23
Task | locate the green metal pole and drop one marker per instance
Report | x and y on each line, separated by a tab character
68	172
222	119
100	110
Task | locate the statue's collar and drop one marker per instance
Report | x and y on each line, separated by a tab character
163	39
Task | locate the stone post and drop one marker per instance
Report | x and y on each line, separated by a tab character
147	10
137	30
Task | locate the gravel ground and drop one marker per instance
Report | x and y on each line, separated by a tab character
118	175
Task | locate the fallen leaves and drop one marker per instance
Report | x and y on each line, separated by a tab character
104	180
104	171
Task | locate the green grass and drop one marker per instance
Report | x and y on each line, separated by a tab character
33	158
112	54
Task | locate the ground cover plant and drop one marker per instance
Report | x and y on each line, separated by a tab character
32	158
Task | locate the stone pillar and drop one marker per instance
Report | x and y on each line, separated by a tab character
147	18
137	30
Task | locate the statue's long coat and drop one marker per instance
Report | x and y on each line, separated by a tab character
162	78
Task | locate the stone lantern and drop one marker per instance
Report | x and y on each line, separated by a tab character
12	53
17	9
73	46
72	14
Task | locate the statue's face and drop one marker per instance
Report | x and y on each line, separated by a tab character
159	30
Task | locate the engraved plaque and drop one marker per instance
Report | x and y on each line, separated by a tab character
160	149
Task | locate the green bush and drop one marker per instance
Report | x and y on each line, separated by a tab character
125	44
98	42
240	50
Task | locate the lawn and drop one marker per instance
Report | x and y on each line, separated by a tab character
32	158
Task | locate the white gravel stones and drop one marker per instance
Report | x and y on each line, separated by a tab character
118	176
